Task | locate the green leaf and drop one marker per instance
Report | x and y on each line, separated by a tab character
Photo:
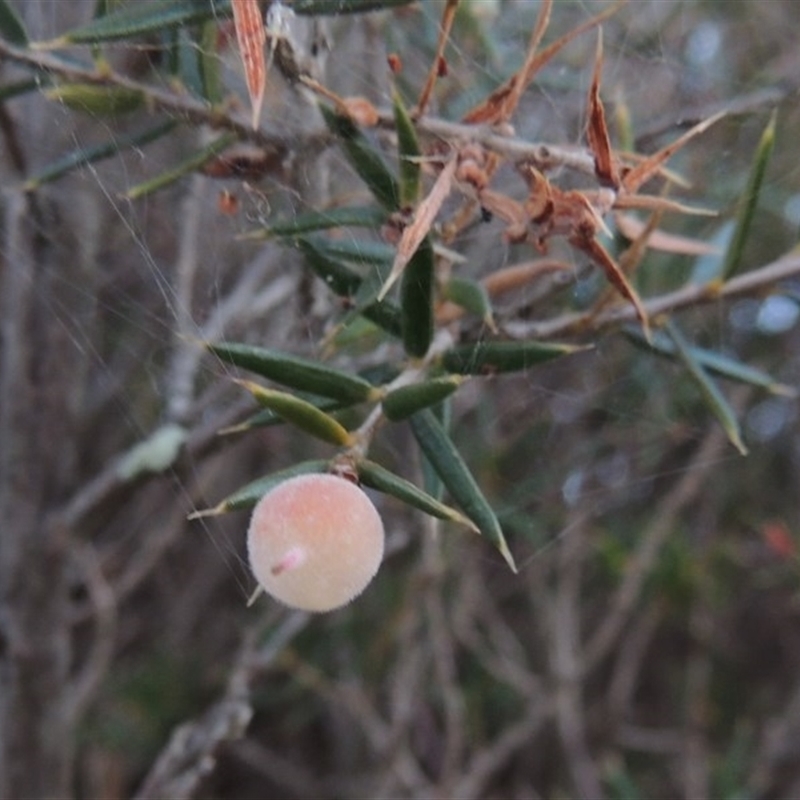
430	478
381	479
183	168
408	152
296	372
344	216
407	400
300	413
11	27
487	357
314	7
249	495
209	63
195	60
714	398
90	155
359	251
138	18
365	160
95	98
416	301
471	296
340	278
345	281
446	460
266	418
749	200
719	364
366	297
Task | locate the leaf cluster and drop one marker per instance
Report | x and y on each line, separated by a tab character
439	326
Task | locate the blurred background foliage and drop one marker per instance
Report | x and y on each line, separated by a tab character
649	646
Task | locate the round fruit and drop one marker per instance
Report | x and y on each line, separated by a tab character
315	542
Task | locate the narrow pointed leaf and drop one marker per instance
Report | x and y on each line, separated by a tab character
251	36
95	98
446	460
618	279
381	479
488	358
300	413
434	72
341	278
364	159
430	477
314	7
183	168
344	281
502	103
90	155
471	296
357	251
209	64
749	200
249	495
416	304
296	372
632	228
605	166
714	398
642	172
419	228
344	216
408	152
138	18
367	294
11	27
718	363
407	400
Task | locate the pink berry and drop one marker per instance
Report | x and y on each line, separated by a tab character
315	542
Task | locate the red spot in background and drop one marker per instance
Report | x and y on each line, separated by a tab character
778	539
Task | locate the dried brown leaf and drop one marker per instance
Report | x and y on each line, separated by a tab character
420	225
632	228
642	173
251	36
654	203
605	165
616	277
436	65
502	102
517	276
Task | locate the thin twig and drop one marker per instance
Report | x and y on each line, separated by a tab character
182	105
104	616
748	283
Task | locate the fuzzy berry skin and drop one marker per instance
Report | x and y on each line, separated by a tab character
315	542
